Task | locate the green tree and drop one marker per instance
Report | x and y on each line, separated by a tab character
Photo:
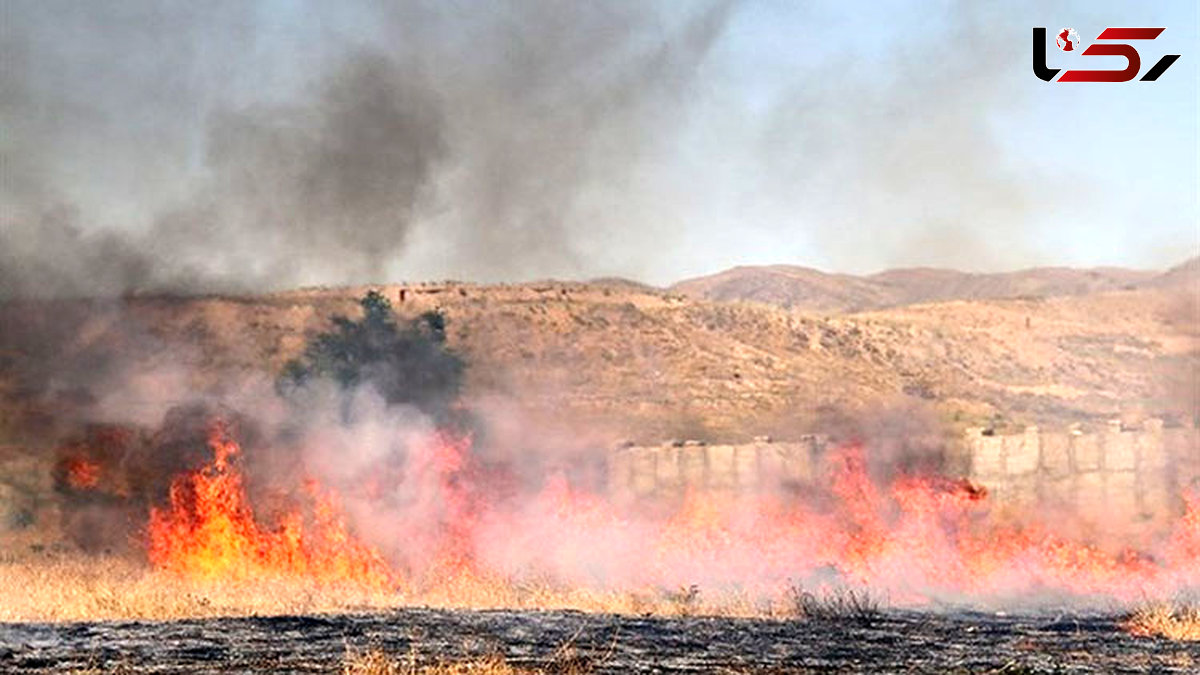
406	363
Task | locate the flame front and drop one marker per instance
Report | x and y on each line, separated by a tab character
209	532
916	540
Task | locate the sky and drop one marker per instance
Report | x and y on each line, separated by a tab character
231	145
1078	174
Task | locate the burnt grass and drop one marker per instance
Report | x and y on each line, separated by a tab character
557	641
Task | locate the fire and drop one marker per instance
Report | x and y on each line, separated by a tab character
81	473
915	540
209	532
94	460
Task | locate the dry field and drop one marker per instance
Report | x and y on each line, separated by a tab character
83	614
78	587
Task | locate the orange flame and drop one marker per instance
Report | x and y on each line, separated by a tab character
916	539
209	532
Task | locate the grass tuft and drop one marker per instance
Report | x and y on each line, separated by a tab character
838	604
1174	622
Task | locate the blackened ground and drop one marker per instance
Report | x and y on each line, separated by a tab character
894	642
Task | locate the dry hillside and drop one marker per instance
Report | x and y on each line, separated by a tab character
648	365
810	289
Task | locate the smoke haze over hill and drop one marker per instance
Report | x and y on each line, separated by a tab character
151	146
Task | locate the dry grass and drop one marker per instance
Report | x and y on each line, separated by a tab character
483	592
377	662
77	587
370	662
837	604
1174	622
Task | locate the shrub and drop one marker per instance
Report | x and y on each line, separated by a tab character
406	363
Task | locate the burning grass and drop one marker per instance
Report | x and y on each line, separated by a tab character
209	531
1172	621
917	541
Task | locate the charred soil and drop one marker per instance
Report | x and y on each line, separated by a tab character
599	643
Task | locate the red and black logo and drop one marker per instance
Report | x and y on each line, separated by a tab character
1068	41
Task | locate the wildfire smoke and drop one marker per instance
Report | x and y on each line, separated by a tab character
918	540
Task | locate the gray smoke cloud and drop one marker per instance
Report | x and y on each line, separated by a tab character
327	187
238	146
165	147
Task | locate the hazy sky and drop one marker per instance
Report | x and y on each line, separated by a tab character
989	166
228	144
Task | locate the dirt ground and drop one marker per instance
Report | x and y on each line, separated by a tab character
598	643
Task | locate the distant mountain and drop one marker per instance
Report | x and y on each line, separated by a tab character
789	286
621	283
1184	274
810	289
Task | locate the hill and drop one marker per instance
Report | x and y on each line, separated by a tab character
810	289
613	361
1183	275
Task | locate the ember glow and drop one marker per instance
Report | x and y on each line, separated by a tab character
81	473
209	532
919	541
